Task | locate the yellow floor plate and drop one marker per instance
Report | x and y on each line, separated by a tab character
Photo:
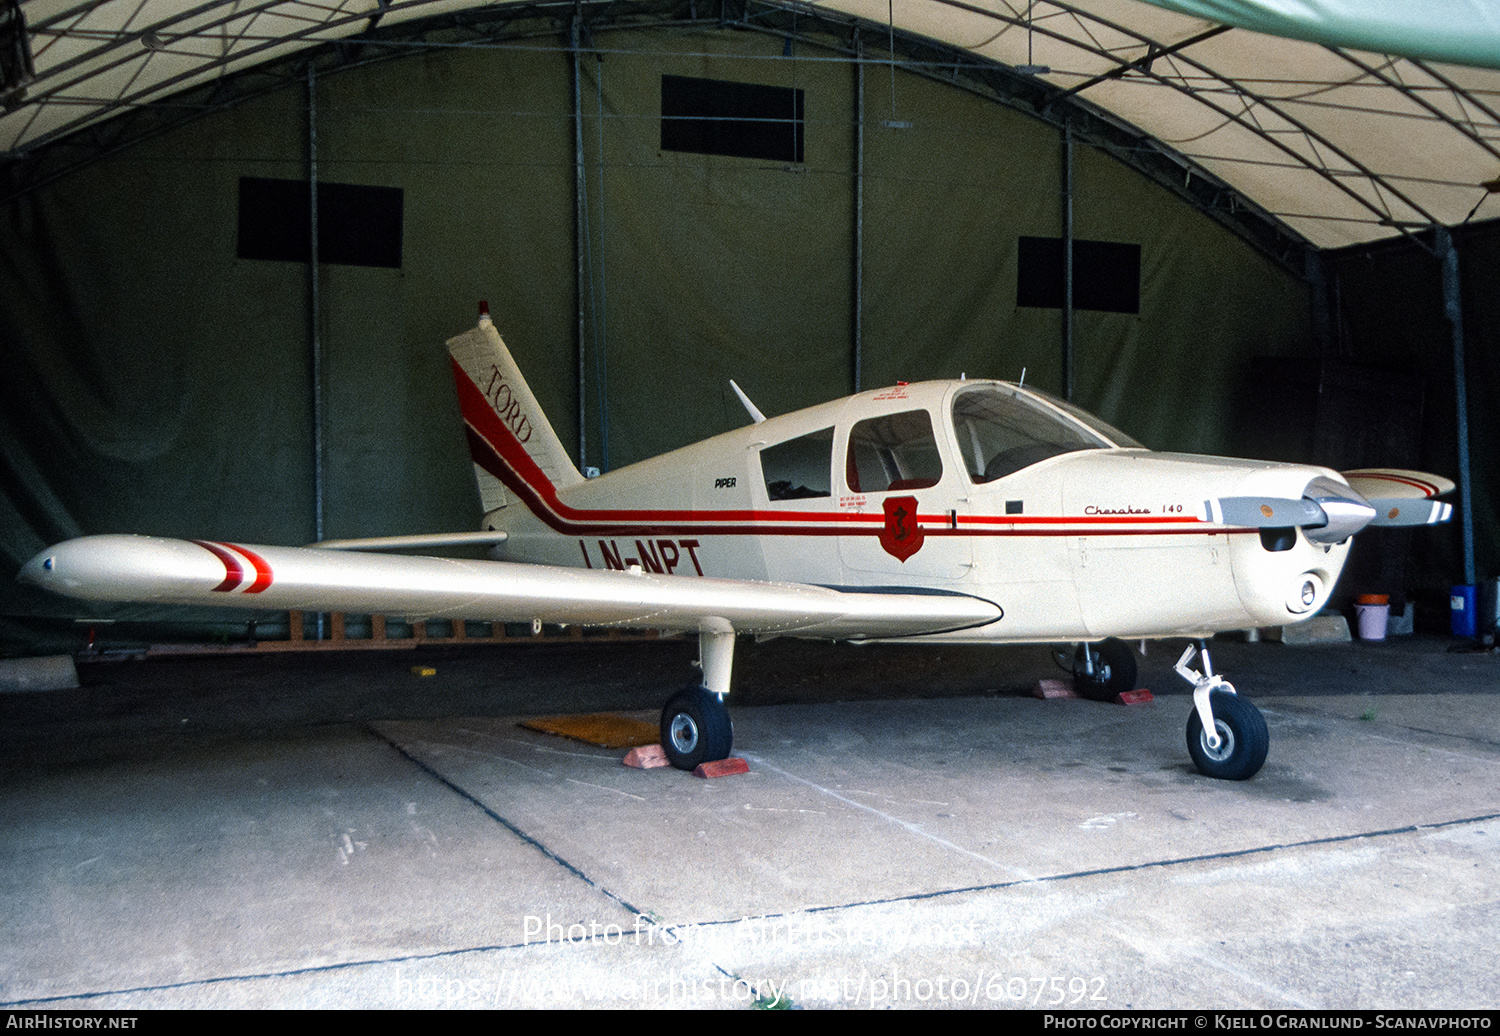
600	729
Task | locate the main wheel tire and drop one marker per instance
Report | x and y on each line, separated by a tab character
1243	739
695	728
1114	670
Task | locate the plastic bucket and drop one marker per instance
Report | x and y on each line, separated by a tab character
1464	611
1372	620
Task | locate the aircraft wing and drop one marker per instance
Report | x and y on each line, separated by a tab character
167	571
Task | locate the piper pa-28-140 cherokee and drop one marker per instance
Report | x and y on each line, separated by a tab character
954	512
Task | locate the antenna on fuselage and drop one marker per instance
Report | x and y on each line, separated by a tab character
754	411
1022	382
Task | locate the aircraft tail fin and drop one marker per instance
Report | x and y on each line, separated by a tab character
513	446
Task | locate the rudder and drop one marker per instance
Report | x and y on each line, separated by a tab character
512	444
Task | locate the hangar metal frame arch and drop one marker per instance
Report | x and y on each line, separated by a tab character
132	117
101	58
209	41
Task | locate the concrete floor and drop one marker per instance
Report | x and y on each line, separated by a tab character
914	832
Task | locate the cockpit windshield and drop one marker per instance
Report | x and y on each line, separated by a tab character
1116	437
1002	430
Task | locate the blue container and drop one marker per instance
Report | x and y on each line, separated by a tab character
1464	611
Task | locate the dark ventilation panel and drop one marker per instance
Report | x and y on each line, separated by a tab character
357	225
1106	275
742	120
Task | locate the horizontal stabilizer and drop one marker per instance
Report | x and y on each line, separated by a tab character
1397	483
427	542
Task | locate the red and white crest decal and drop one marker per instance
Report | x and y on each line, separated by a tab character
901	536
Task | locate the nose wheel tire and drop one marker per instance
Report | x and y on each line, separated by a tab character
695	728
1243	739
1114	670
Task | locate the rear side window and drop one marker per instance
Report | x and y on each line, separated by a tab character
892	453
799	469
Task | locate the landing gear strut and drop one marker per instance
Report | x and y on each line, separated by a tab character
1226	735
1103	670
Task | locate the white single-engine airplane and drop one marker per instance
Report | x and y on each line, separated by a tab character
951	512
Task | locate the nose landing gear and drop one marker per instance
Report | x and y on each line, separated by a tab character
1226	735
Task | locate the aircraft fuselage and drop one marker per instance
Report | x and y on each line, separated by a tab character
890	489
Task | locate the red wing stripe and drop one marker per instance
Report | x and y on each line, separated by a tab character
233	573
262	568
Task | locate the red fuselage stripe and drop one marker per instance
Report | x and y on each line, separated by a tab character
495	449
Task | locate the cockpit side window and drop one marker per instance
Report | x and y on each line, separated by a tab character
800	468
1000	432
892	453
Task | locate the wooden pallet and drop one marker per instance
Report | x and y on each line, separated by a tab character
338	639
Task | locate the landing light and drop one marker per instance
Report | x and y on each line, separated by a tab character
1307	594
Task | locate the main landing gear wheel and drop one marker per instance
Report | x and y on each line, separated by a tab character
1243	739
1114	670
695	728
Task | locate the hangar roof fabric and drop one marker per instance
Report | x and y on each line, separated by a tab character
1341	143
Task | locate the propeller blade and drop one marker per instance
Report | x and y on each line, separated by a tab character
1327	512
1404	511
1263	512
